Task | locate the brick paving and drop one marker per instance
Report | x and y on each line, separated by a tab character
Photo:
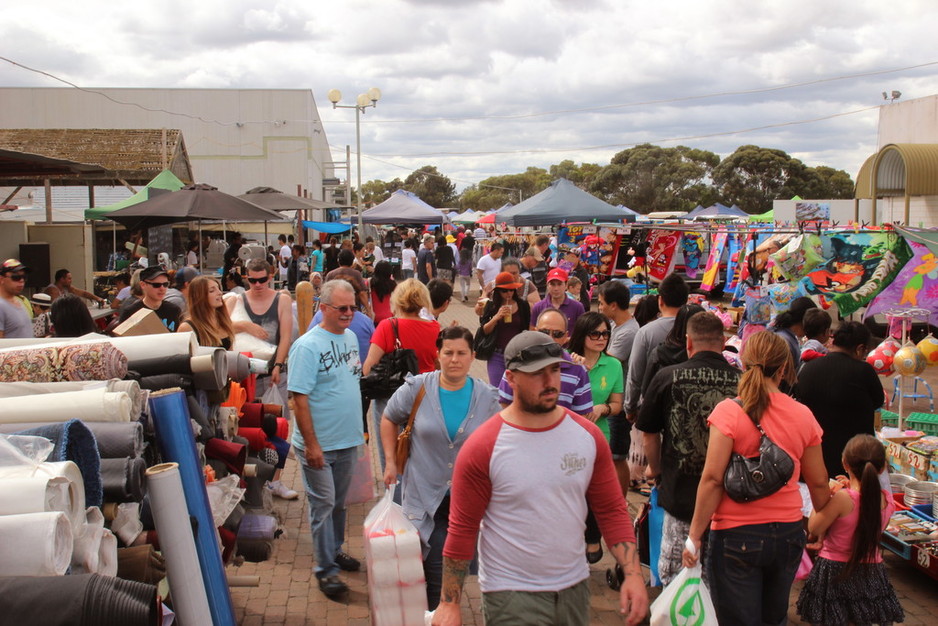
288	594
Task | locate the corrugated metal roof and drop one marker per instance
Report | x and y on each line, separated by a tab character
900	169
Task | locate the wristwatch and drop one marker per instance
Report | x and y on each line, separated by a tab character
280	365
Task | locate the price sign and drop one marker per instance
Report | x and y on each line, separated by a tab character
924	560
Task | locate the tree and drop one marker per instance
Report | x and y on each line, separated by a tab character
650	178
495	191
833	184
580	175
752	177
432	187
377	191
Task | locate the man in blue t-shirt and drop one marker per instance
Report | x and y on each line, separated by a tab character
325	364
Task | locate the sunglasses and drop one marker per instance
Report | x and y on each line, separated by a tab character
534	353
160	285
348	308
506	290
556	334
255	281
17	277
596	335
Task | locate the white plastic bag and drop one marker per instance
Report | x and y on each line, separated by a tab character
396	584
274	396
246	342
685	600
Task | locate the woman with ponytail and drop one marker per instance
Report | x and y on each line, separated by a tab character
755	547
848	583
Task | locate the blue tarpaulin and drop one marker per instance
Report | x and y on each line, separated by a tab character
327	227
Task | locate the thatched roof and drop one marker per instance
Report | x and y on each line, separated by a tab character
90	156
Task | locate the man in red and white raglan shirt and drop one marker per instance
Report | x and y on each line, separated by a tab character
527	475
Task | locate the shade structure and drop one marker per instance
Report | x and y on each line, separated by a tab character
404	207
487	219
163	182
191	203
333	228
276	200
717	212
469	217
768	216
560	203
631	215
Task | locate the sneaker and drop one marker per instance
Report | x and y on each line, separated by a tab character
332	586
347	562
282	491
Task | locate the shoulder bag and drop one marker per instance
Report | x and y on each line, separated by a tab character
748	479
482	344
403	438
389	373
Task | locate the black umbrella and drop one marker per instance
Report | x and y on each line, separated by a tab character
191	203
276	200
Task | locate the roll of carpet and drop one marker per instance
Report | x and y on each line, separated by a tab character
35	494
123	479
170	415
135	348
85	361
35	544
178	545
210	371
78	484
90	405
81	600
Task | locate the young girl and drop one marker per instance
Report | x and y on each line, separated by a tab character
848	583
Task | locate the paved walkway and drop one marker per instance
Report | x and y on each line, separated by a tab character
288	593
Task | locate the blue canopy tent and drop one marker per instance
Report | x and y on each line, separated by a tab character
404	207
560	203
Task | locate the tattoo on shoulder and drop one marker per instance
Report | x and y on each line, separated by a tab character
454	575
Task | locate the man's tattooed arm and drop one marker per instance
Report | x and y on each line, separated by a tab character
454	575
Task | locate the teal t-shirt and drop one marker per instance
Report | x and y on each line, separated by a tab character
326	368
455	407
316	261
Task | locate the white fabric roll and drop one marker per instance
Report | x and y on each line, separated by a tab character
11	390
87	548
35	494
132	389
210	371
65	469
134	348
35	544
107	555
168	505
90	405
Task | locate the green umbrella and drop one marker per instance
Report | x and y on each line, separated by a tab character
163	182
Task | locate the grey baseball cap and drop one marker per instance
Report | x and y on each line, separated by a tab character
530	351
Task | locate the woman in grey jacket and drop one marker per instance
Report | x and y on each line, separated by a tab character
453	406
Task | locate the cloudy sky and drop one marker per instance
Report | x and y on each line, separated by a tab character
480	88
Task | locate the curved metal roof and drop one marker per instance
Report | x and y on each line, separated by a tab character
900	169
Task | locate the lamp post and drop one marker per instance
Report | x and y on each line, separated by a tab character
364	100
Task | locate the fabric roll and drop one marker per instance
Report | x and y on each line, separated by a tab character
254	485
166	381
178	545
141	563
175	364
123	479
13	389
255	550
80	485
118	440
251	415
85	600
170	415
231	454
107	556
74	441
239	366
210	371
274	409
90	405
87	542
134	348
86	361
257	439
35	544
35	494
197	414
132	389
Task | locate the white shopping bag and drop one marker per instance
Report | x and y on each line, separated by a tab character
685	601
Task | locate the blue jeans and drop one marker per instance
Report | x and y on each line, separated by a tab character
751	569
326	489
377	410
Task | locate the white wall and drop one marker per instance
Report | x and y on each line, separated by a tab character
912	121
842	211
69	248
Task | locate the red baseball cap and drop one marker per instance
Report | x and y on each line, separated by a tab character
557	274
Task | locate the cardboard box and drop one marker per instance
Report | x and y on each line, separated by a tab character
916	463
143	322
896	454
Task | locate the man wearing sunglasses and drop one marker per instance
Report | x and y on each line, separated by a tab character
558	298
576	393
529	473
154	282
15	322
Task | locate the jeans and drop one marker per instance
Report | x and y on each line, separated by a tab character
326	489
751	569
465	286
407	274
433	564
377	410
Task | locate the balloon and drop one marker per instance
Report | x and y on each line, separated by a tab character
909	361
929	347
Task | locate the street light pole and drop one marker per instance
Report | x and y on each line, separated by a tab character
364	100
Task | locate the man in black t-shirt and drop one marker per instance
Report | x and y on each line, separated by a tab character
154	281
673	417
426	262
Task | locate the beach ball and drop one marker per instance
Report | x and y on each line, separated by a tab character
882	357
929	347
909	361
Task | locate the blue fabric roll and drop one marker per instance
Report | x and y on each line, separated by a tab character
170	415
75	442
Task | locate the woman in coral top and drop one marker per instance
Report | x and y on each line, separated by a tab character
755	547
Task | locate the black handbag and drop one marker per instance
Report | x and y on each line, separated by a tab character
389	373
748	479
484	345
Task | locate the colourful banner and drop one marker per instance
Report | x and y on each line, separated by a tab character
733	262
661	247
712	273
692	245
915	286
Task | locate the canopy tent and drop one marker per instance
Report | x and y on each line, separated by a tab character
717	212
276	200
487	219
631	215
404	207
469	217
163	182
768	216
561	202
331	228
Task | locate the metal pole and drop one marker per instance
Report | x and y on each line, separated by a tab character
358	154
